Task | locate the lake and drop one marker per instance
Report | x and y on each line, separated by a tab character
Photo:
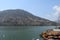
22	32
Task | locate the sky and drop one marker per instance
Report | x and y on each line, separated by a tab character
48	9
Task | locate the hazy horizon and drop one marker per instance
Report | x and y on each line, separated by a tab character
47	9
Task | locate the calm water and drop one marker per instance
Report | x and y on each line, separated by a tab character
22	33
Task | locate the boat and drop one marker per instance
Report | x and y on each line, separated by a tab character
51	34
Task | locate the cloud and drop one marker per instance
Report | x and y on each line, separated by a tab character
55	14
57	10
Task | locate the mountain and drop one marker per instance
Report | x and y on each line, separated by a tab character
18	17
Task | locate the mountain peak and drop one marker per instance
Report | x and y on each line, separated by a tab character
22	17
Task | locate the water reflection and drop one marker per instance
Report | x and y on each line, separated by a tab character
22	33
2	35
37	39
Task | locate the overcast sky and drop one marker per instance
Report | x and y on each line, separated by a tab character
48	9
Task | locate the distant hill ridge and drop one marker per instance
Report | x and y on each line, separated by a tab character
18	17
